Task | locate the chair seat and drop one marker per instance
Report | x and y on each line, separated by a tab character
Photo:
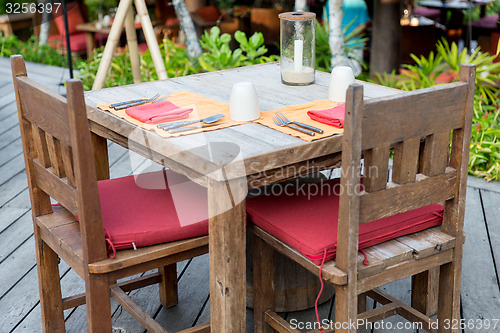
170	220
169	206
380	257
309	224
77	41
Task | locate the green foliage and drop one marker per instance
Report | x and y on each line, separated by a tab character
389	80
487	71
218	54
484	158
176	60
94	6
424	73
353	40
32	51
323	52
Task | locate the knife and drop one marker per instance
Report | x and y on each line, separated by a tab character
177	130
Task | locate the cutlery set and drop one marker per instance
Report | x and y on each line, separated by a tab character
179	126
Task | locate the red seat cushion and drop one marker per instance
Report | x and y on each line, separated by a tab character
77	41
308	222
74	18
152	208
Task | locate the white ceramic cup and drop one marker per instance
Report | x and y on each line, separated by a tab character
340	79
244	102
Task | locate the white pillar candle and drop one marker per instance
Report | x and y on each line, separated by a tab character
298	52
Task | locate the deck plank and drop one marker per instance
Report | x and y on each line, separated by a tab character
12	150
480	292
491	206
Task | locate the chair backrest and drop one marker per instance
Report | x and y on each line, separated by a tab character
58	155
428	131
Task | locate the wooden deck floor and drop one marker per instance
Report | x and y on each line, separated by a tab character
19	301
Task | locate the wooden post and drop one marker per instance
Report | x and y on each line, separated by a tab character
149	34
124	7
111	44
132	46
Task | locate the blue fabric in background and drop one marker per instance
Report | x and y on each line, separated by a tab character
352	10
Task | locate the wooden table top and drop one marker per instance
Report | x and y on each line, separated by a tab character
257	145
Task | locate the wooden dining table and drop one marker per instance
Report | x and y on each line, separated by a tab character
228	161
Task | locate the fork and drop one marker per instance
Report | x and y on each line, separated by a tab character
309	127
280	122
138	102
161	99
132	101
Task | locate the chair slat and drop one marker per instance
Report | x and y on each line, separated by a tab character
390	252
406	155
376	168
53	117
395	118
49	182
436	153
56	156
399	198
428	242
67	156
40	142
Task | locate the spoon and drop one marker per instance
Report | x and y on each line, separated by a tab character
207	120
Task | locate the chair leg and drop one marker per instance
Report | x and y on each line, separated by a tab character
346	308
168	285
49	287
362	303
449	296
263	277
98	295
424	291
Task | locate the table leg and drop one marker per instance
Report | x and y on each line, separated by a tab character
227	256
90	41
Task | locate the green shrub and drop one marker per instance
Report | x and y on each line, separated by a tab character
484	158
32	51
217	56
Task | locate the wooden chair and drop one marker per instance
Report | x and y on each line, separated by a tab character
57	145
428	131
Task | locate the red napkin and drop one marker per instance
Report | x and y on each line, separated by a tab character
156	113
333	117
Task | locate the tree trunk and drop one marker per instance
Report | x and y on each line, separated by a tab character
192	45
300	5
385	54
44	26
336	37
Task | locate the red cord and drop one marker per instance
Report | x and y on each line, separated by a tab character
320	290
365	262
